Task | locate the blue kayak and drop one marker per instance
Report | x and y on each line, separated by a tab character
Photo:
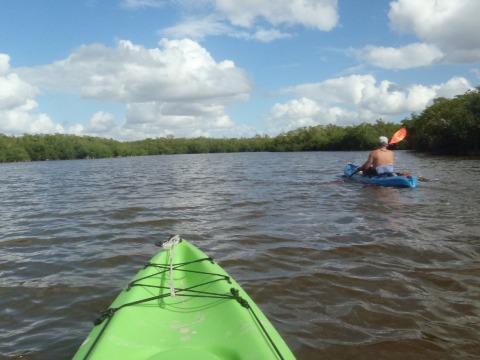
391	180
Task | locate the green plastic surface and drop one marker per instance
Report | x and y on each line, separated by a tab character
202	322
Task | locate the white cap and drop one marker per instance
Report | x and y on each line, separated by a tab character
383	140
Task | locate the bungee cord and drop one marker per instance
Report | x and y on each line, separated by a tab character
192	291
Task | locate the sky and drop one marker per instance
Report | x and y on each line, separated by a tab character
137	69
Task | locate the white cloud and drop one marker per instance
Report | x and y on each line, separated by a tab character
409	56
14	92
177	87
305	112
198	28
348	90
451	26
258	20
265	35
136	4
18	105
23	119
181	119
447	31
357	98
101	123
4	63
453	87
319	14
449	23
180	70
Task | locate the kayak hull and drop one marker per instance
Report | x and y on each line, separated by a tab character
183	310
408	181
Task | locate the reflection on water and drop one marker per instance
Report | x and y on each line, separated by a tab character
343	270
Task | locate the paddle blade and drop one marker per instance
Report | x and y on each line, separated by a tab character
398	136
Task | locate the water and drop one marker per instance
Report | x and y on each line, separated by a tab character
343	270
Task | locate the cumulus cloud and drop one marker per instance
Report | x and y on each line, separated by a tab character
101	123
182	119
152	83
447	31
451	25
15	93
179	70
305	112
22	120
18	105
453	87
357	98
4	63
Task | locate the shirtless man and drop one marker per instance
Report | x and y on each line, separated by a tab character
379	161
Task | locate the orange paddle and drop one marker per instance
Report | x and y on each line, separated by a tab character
398	136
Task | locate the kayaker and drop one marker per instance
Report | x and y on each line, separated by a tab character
380	161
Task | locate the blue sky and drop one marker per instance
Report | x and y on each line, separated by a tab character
135	69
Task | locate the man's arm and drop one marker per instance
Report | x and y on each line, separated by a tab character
368	163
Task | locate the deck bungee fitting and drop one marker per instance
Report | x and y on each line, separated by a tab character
183	305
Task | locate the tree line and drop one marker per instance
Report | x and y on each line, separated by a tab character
42	147
449	126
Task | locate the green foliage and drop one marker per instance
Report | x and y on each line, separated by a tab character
333	137
449	126
69	147
11	150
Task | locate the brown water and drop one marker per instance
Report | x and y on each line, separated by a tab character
343	270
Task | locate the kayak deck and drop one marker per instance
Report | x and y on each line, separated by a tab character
397	180
182	305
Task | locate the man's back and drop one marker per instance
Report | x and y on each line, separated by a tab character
382	157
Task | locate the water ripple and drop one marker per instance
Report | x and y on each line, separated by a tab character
343	270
